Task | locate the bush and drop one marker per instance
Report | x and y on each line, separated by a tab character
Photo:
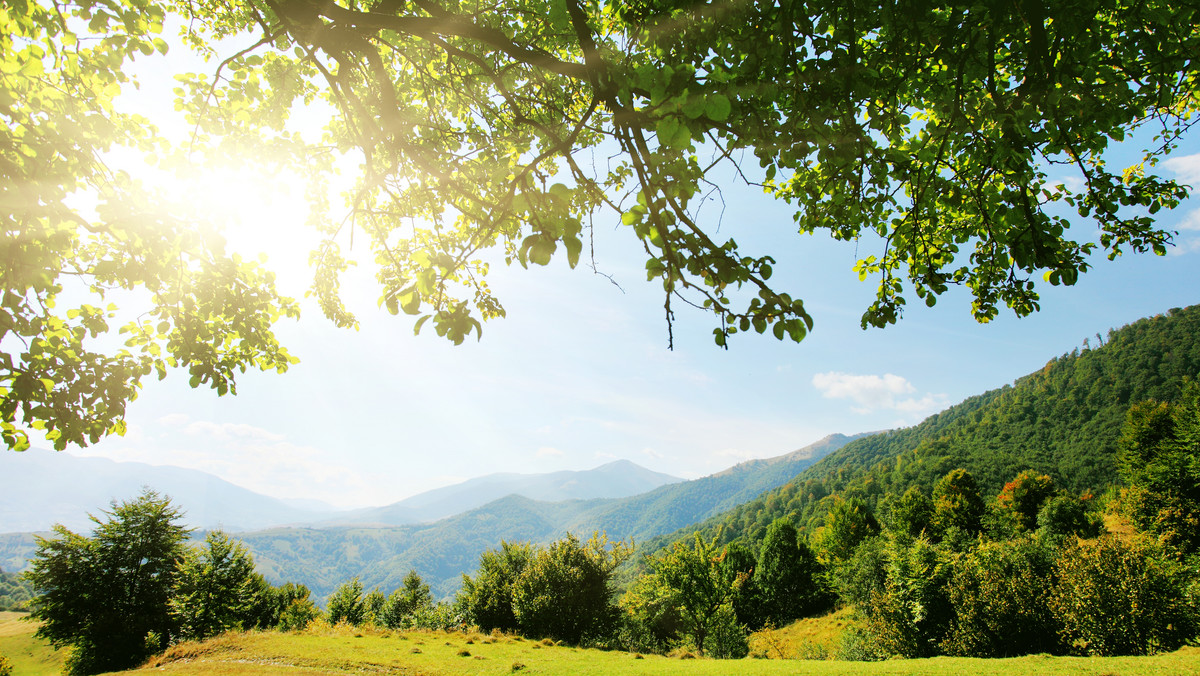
564	592
298	615
1000	597
858	644
346	604
911	615
1123	598
726	637
5	666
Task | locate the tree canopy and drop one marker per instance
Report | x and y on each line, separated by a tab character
944	138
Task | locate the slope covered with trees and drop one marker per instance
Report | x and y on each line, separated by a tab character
443	551
1063	420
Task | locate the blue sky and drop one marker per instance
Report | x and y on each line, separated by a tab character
579	373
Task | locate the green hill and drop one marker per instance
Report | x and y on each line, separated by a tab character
1063	420
442	551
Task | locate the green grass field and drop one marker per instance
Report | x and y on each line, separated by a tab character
27	654
342	650
345	651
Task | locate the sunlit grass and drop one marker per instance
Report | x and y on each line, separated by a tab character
810	638
344	650
28	655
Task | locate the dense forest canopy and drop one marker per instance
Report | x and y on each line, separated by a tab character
1064	421
935	134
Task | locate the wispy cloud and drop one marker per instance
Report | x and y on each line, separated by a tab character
876	392
259	459
549	452
1186	168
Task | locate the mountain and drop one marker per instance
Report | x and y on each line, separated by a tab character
615	480
1063	420
42	488
442	551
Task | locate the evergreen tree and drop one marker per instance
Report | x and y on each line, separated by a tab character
787	576
346	604
1160	460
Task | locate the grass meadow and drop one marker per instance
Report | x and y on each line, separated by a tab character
346	650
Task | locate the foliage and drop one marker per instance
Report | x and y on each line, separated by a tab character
1000	595
80	231
864	574
214	588
562	591
947	166
738	567
487	598
270	604
1064	420
565	592
847	523
686	599
911	514
1160	460
15	591
298	614
788	577
1024	496
404	602
373	604
347	604
912	612
957	504
1118	597
1066	514
107	596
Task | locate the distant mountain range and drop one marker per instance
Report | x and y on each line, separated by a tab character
375	544
41	488
442	551
617	479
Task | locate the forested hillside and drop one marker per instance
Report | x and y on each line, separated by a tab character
441	552
1063	420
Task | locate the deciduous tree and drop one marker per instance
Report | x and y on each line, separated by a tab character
940	137
215	588
107	596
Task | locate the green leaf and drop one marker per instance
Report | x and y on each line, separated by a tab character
717	107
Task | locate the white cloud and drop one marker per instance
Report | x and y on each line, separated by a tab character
736	455
548	452
231	431
1185	246
1186	168
1191	221
874	392
174	420
651	453
248	456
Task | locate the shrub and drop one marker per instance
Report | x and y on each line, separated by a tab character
1000	597
298	615
912	613
346	604
1122	598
